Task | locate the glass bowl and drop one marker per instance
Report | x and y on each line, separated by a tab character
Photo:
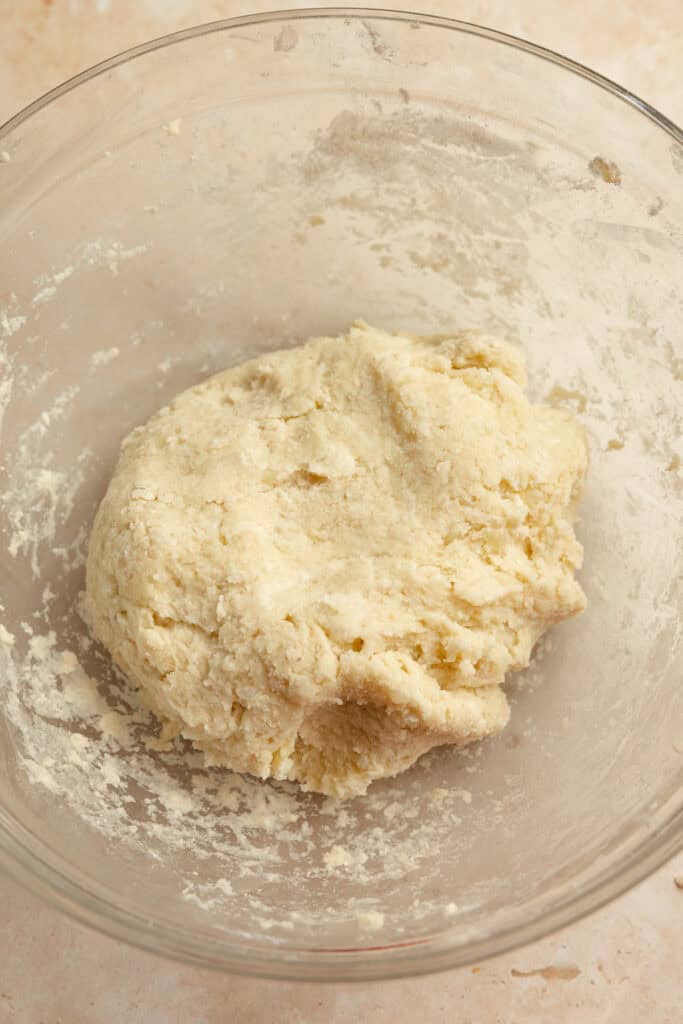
237	188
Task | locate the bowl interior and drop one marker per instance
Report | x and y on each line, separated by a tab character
238	191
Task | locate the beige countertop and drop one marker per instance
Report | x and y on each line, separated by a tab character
621	965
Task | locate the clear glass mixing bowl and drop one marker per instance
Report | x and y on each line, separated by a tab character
240	187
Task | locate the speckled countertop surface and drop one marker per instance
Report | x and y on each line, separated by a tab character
621	965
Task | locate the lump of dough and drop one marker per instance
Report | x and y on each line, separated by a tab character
322	563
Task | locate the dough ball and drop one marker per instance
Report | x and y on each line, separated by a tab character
322	563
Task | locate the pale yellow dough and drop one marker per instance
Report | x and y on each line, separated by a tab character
322	563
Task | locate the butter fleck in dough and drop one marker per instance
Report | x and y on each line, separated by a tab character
322	563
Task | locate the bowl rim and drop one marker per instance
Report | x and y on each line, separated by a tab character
357	13
34	866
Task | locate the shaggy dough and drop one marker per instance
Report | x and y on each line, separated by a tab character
322	563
